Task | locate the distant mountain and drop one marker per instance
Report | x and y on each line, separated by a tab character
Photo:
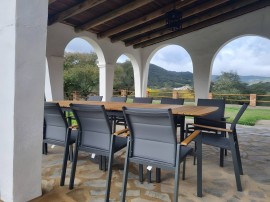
248	79
160	78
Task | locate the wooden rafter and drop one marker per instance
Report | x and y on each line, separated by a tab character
78	8
113	14
145	18
162	23
51	1
222	17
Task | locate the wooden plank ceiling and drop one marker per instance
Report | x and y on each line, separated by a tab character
141	23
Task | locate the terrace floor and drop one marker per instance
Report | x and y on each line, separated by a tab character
218	183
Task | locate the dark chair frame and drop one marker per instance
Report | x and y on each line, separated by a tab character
55	120
215	119
180	150
96	116
228	143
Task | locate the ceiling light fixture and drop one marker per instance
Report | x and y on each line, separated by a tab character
173	19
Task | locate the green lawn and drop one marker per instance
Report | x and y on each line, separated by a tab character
250	116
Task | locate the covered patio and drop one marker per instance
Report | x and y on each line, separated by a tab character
218	183
33	31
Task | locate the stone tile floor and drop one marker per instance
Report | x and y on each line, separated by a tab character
218	183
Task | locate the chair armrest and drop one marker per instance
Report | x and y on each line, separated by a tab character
73	127
124	131
213	128
191	137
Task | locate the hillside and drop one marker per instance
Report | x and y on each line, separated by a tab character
160	78
248	79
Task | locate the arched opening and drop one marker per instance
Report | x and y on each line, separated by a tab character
81	72
170	73
242	67
123	77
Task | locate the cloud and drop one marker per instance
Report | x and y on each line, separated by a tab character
247	55
173	58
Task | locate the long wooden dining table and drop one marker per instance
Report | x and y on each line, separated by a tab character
183	110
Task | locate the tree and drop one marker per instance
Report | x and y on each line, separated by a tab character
229	83
124	76
81	73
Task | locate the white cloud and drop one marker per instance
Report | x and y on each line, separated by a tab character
173	58
249	55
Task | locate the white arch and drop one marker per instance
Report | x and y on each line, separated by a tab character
151	55
136	73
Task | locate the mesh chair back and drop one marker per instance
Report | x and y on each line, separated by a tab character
94	98
143	100
55	122
238	116
215	116
94	127
165	100
118	99
152	134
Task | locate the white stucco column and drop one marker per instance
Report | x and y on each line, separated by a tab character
106	76
201	75
56	75
23	30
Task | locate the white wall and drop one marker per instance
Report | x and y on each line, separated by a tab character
22	45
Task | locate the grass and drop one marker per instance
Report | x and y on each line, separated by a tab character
250	116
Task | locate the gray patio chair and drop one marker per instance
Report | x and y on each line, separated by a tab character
95	134
117	118
94	98
152	142
215	119
210	136
179	101
55	129
147	100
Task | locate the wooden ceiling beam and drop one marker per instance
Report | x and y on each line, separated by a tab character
51	1
145	18
191	22
223	17
78	8
162	23
113	14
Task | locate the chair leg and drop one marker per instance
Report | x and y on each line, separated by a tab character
176	176
100	162
235	163
149	172
73	168
221	157
64	165
141	173
70	154
45	148
184	170
124	185
104	163
195	150
238	154
109	176
199	165
158	175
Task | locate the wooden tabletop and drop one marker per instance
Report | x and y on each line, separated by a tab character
186	110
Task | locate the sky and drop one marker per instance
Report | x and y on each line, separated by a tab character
247	55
